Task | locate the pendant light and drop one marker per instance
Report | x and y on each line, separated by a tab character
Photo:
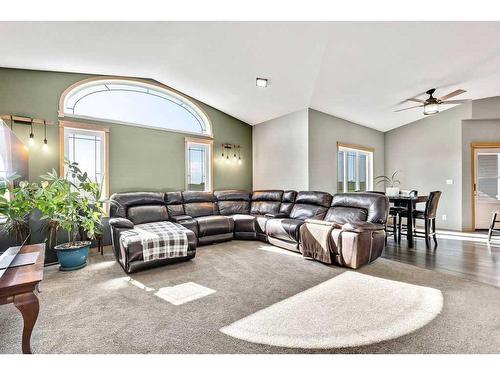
239	155
31	140
45	146
234	150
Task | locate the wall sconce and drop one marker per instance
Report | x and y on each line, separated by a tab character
227	149
31	140
29	121
45	146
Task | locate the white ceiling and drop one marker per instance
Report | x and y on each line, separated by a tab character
359	71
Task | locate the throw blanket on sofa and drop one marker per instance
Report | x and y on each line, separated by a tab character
160	240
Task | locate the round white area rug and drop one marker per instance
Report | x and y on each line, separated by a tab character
349	310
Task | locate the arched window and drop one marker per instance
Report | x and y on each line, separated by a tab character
133	102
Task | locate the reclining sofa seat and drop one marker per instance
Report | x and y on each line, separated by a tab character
211	226
283	231
352	233
236	204
265	205
130	209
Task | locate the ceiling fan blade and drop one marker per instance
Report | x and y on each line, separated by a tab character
452	94
404	109
415	100
456	101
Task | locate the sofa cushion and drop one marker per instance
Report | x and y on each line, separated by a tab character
265	207
198	196
303	211
233	207
147	214
318	198
174	202
201	209
232	195
267	195
231	202
284	229
244	223
120	202
343	215
210	225
370	207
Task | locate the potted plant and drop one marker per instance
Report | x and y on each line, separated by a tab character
391	183
71	203
17	208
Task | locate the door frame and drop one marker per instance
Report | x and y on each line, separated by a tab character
473	147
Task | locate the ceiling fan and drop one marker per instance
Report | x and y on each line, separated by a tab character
431	104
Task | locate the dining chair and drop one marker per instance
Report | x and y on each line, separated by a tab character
428	215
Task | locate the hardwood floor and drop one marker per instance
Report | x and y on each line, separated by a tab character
464	254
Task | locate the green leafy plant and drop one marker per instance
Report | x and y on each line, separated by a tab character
388	181
16	210
72	203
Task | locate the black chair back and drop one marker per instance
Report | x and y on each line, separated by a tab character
432	204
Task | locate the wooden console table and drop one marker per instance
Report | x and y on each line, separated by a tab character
19	285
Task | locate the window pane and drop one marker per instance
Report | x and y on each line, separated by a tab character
198	166
86	147
363	160
135	104
351	171
340	172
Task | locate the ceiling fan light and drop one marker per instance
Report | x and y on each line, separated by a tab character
431	109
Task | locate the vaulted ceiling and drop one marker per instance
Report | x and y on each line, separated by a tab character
360	71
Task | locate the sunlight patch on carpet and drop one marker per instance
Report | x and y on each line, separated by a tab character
349	310
183	293
277	250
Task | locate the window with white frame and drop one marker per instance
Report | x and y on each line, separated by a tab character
354	169
88	148
198	165
134	102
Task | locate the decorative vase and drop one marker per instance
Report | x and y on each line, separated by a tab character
392	191
72	258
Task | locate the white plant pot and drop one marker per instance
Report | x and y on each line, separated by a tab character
392	191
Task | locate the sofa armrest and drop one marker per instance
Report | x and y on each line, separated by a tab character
280	215
322	222
362	226
121	222
177	219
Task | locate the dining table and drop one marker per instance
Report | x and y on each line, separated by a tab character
410	203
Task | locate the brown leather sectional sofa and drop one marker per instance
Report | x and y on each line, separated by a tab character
344	229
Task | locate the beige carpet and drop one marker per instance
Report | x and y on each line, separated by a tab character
348	310
181	308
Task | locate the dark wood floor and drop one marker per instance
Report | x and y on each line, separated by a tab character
463	254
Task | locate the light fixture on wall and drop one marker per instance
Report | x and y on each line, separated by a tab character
45	146
31	122
227	149
31	140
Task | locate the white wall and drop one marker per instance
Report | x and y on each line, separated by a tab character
324	133
428	152
280	153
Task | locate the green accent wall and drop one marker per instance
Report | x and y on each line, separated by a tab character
140	158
